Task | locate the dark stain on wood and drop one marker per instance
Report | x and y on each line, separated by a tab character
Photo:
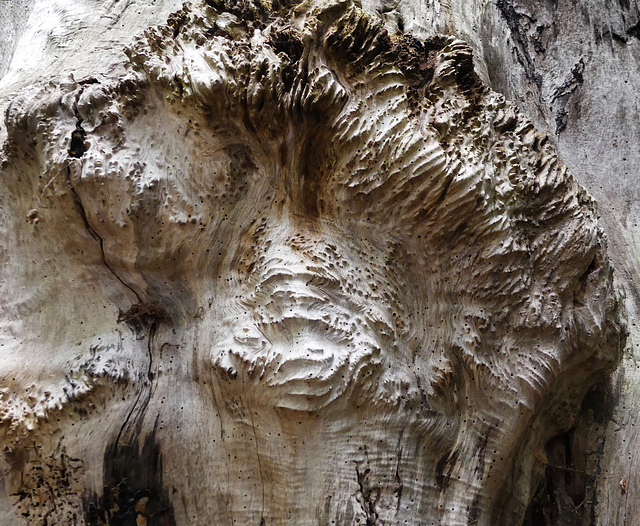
133	487
444	468
473	515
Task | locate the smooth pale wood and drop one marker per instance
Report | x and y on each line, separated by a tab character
282	266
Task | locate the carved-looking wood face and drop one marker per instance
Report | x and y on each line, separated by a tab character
312	216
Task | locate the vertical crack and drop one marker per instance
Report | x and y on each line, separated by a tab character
95	235
137	406
399	485
368	501
77	149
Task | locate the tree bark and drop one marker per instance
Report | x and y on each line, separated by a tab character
298	263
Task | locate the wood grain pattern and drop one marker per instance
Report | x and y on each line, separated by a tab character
289	268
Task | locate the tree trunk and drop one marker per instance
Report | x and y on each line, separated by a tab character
297	263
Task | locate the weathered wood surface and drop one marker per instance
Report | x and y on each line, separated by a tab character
290	265
574	68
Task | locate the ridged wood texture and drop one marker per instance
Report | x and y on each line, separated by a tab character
275	264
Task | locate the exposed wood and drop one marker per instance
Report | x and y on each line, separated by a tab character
288	264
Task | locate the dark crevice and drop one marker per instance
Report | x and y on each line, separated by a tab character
368	500
617	37
137	495
573	81
443	193
634	31
597	410
512	18
561	120
557	501
288	42
563	93
568	494
141	316
78	146
398	480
